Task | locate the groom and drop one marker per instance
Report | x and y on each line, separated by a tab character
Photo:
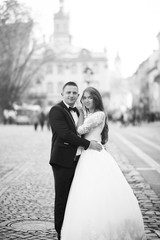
65	153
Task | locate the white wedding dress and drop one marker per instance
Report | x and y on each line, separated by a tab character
101	204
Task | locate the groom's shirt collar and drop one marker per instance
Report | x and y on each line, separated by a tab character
66	104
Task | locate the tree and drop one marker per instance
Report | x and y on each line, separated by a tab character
17	52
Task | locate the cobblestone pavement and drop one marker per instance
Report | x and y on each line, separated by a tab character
27	189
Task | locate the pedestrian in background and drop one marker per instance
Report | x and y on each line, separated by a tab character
42	118
36	120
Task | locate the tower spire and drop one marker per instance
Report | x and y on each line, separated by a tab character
62	38
61	4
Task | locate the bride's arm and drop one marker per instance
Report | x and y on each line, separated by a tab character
90	122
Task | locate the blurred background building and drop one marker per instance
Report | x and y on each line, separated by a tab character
65	62
138	95
58	61
144	86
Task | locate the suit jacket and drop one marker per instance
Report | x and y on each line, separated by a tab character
65	139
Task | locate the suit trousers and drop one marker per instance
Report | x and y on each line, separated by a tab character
62	181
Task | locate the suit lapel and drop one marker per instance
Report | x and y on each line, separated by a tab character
68	113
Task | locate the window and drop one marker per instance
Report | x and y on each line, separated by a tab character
57	27
95	67
84	66
64	27
74	68
38	81
49	87
60	85
49	68
60	69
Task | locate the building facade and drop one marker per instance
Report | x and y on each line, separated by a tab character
65	62
146	85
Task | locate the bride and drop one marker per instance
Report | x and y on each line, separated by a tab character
101	204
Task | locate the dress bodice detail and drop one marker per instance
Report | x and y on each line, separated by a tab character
93	126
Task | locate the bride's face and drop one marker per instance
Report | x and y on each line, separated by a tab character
88	101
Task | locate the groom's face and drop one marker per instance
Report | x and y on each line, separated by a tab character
70	95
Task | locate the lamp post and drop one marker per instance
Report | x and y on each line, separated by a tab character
88	75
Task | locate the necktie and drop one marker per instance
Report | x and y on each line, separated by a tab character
72	109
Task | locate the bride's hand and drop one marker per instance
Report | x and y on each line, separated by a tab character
81	116
81	111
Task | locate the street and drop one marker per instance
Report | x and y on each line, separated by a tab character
141	146
26	179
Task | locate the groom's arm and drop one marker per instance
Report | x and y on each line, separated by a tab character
60	126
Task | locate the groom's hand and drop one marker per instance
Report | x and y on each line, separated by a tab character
95	145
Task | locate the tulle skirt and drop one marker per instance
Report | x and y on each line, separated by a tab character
101	204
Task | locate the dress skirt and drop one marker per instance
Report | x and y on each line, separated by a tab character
101	204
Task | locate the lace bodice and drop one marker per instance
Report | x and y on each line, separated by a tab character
93	126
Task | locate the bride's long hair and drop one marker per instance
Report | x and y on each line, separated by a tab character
98	106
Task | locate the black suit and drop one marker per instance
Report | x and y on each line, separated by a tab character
65	142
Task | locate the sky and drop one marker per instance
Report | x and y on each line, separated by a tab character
129	27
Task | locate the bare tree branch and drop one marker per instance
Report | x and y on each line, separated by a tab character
17	51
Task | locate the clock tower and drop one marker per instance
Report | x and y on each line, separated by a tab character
62	37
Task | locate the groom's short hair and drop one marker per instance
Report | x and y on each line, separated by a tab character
70	84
